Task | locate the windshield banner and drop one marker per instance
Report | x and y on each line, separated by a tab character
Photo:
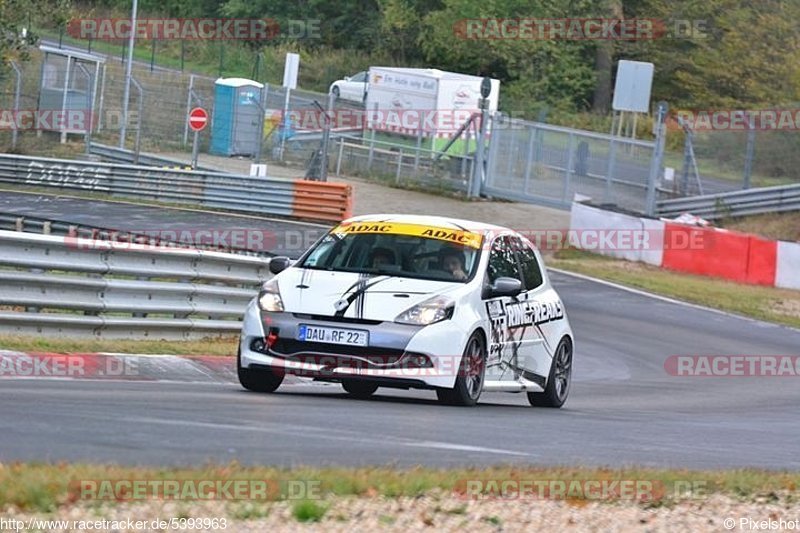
464	238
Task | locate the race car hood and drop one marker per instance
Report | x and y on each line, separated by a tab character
317	292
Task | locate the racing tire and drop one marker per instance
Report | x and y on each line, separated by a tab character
469	381
257	380
359	389
335	92
559	381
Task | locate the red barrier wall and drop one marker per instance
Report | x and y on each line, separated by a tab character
725	254
762	261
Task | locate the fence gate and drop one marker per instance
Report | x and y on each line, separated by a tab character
544	164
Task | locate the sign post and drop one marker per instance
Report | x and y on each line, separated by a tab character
198	119
478	167
290	70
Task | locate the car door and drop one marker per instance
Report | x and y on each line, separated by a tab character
541	306
513	344
356	86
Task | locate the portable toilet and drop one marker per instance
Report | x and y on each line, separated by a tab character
237	120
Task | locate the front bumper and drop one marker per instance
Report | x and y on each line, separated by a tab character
398	355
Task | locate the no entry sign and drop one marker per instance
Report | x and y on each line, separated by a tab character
198	118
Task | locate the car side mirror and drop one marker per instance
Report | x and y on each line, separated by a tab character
505	287
279	264
347	78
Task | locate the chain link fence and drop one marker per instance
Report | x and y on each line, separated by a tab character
722	161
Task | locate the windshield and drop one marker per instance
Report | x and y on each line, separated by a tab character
398	250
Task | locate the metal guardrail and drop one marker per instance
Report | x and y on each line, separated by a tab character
47	226
122	155
323	201
76	286
736	203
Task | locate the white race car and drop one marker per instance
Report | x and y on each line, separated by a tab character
412	302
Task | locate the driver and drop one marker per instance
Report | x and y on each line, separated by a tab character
453	262
380	256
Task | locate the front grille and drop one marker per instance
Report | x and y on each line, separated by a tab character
303	349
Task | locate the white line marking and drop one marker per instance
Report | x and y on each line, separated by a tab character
668	299
328	434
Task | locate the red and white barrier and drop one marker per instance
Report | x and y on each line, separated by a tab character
705	251
787	273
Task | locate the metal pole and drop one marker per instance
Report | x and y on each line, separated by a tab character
529	160
100	105
339	158
655	164
64	97
419	147
494	144
372	138
138	122
195	149
87	136
286	122
683	186
153	55
262	111
749	151
17	90
478	170
188	109
399	166
127	92
469	132
326	135
612	160
570	163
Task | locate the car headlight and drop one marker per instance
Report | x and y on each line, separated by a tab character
269	299
428	312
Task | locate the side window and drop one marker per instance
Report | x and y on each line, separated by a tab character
531	271
360	77
502	261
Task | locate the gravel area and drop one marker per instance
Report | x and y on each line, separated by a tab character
450	513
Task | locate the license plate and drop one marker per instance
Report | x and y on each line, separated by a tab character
349	337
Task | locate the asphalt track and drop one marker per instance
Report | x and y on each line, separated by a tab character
624	408
276	236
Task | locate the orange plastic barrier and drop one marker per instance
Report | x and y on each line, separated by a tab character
724	254
320	200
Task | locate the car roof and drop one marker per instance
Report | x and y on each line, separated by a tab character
430	220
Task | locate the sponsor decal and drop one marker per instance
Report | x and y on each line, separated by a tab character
455	236
526	313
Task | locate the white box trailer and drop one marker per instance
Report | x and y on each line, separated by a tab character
427	102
